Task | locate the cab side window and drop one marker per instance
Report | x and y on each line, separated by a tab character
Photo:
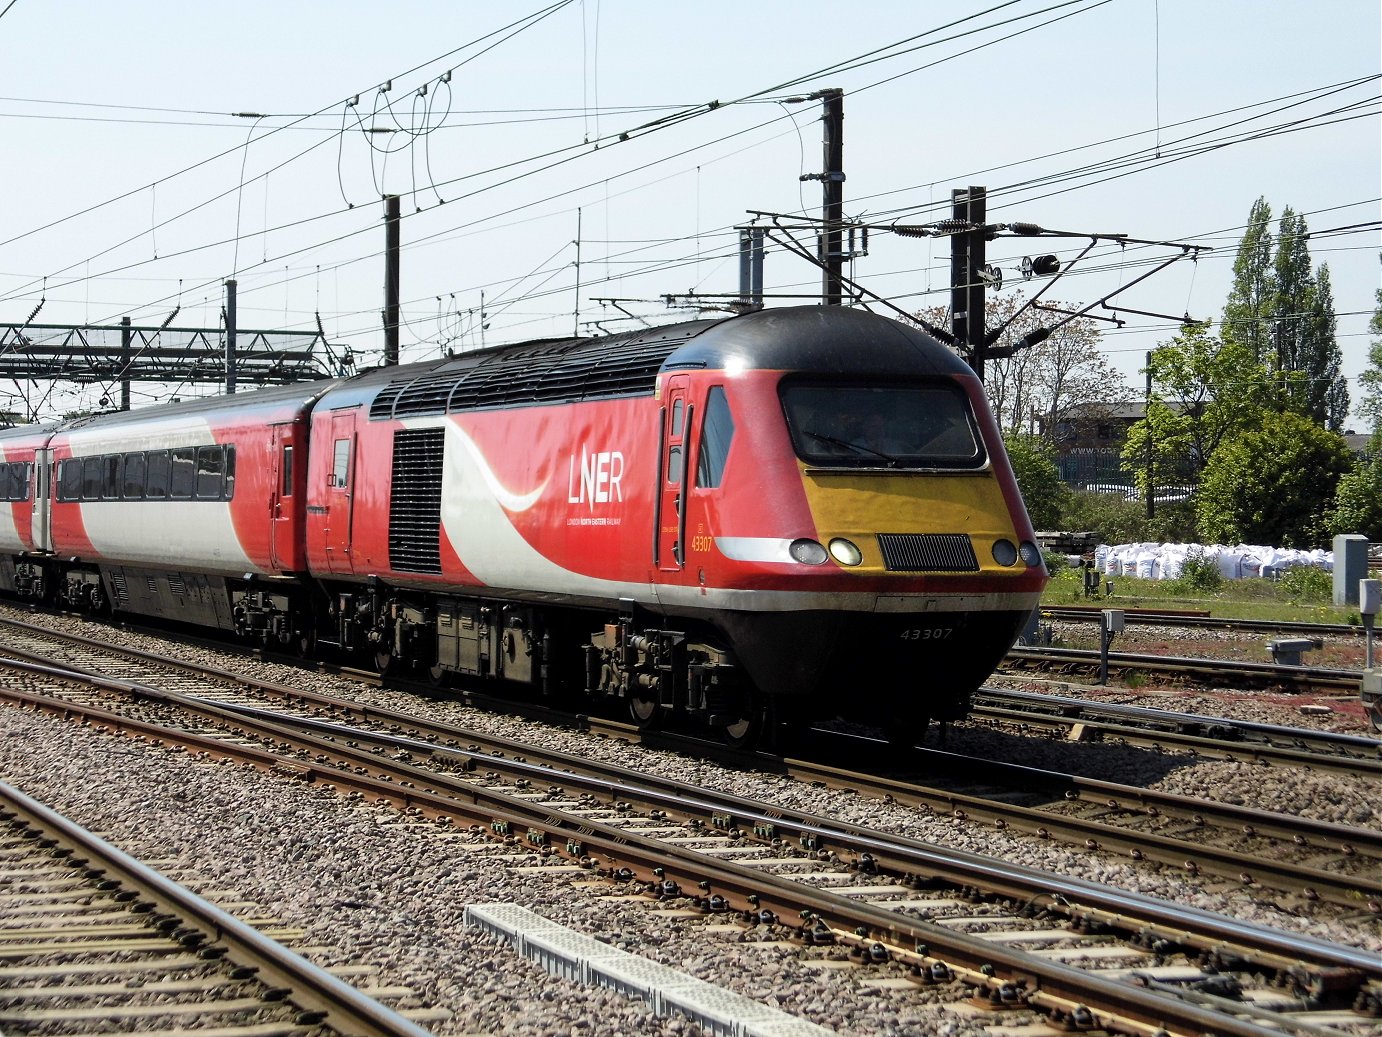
717	432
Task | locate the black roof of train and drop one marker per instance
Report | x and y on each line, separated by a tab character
824	340
819	339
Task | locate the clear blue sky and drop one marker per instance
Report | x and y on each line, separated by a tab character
102	100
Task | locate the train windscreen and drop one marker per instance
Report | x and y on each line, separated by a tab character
845	425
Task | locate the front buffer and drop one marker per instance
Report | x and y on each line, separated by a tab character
888	669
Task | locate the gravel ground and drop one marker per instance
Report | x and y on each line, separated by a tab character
339	869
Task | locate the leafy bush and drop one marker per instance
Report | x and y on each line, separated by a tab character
1358	502
1110	516
1271	485
1199	575
1055	562
1305	584
1037	478
1174	523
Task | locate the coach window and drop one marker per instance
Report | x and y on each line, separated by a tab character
717	430
340	464
91	478
134	476
7	482
230	471
210	469
287	472
110	477
184	476
70	479
156	477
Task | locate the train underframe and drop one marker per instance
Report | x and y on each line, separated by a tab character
787	670
564	653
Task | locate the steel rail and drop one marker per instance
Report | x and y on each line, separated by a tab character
1364	746
1051	986
1257	674
1001	706
313	990
1153	617
907	855
1192	857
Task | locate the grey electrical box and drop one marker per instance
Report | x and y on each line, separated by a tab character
1113	620
1370	597
1350	566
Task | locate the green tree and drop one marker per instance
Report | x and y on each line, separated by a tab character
1273	484
1247	312
1358	502
1307	356
1037	478
1370	406
1204	391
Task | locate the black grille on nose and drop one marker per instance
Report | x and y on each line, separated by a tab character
927	552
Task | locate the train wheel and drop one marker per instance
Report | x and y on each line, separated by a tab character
745	730
383	662
439	676
645	711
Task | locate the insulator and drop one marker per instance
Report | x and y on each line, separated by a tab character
1024	228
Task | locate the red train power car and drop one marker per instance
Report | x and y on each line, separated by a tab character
791	514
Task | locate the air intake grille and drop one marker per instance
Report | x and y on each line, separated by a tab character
415	508
927	552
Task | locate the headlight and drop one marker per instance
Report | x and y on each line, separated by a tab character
1030	553
845	552
808	552
1004	552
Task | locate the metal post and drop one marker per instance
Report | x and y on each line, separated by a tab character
391	250
1112	624
974	284
125	360
1151	457
751	267
230	337
576	317
833	198
959	270
1369	604
967	258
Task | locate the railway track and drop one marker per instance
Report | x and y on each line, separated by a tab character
1212	737
1312	860
1201	621
1220	673
89	935
605	829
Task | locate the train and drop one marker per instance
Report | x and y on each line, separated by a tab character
747	522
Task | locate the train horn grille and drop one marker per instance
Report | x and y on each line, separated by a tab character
927	552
